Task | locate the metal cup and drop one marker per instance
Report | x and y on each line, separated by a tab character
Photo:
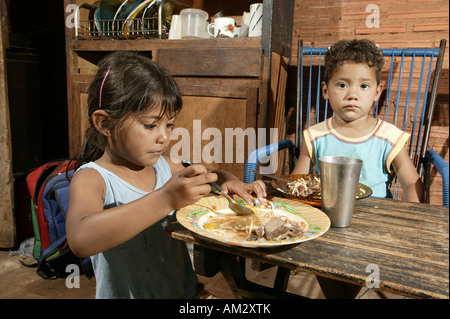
339	178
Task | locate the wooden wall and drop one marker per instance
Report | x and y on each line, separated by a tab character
402	23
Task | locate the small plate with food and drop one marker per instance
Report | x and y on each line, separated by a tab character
276	222
306	188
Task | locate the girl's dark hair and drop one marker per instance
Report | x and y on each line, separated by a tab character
360	51
129	84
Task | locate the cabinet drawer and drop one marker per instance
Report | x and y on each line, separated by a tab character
223	62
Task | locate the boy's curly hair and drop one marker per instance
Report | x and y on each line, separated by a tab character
359	51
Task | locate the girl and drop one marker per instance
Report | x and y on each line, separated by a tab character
126	190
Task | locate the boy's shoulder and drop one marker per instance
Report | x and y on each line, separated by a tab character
385	130
390	131
320	126
319	129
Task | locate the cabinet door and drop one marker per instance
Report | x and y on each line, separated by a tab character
217	126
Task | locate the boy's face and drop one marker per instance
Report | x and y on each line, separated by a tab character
351	90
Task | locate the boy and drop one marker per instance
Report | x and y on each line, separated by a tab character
352	83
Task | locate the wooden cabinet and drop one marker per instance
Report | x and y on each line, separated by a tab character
226	83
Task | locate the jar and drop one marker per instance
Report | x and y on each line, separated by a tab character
194	23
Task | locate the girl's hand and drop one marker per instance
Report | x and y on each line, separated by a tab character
188	185
245	189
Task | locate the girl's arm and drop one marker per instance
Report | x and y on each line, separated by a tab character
92	229
412	186
231	184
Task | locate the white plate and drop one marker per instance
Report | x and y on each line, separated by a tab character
136	13
192	217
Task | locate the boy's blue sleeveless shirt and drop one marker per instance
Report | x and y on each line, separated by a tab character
377	150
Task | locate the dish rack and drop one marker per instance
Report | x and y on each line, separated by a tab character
114	29
155	27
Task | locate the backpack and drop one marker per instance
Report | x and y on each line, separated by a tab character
49	190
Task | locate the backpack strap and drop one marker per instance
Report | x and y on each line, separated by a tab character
87	267
44	269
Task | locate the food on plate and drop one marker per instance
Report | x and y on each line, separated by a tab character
304	187
360	192
267	224
279	228
308	186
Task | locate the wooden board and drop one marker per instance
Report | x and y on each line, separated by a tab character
238	62
7	220
277	107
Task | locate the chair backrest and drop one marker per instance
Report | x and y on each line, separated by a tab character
410	80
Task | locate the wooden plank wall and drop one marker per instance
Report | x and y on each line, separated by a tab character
402	23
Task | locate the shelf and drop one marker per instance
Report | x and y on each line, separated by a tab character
155	44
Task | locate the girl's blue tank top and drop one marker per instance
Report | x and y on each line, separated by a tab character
149	265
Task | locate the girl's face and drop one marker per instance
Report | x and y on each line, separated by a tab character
351	91
144	138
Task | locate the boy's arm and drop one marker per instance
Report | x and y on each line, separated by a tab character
413	190
303	162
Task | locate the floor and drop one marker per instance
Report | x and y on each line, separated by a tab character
20	282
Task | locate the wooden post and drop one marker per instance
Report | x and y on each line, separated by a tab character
7	220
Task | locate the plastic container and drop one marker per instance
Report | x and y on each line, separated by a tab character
194	23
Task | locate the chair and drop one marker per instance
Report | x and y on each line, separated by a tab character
442	167
410	80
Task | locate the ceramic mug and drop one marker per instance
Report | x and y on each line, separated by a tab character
175	28
246	18
223	27
255	23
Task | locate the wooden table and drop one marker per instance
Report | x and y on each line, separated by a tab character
404	245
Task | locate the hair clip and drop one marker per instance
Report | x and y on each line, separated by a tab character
101	89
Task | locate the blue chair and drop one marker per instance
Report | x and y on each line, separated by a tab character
410	79
442	167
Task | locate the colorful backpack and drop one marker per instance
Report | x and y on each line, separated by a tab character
49	190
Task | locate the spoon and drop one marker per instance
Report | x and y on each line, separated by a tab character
272	176
238	209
